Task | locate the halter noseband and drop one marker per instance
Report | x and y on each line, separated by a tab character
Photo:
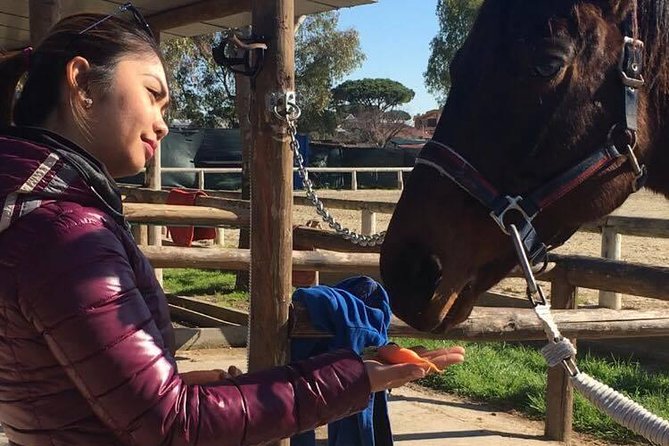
451	164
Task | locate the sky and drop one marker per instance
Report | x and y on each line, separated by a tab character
395	36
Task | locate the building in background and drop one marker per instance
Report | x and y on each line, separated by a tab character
427	122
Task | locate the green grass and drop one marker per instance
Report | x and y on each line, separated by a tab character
210	285
513	376
508	376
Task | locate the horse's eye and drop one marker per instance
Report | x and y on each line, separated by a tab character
547	66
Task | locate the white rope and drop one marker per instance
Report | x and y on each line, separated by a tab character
550	327
623	410
556	352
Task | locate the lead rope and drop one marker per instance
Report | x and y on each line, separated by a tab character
560	350
289	113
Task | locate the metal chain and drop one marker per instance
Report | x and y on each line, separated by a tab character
290	116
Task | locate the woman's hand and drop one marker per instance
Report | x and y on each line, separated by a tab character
387	376
209	376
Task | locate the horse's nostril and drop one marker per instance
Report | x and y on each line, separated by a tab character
422	274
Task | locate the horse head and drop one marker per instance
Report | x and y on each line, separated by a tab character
537	94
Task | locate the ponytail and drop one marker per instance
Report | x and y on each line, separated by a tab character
13	65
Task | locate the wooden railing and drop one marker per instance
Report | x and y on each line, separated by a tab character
202	171
566	274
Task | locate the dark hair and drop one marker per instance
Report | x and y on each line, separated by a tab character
103	46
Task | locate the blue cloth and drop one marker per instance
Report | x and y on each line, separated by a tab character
357	312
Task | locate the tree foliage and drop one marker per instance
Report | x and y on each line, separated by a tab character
456	18
201	91
372	103
379	94
323	55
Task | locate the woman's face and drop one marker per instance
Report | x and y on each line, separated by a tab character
127	122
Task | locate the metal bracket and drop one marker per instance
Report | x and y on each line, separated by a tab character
284	106
512	204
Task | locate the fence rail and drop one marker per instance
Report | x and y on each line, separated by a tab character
201	172
565	273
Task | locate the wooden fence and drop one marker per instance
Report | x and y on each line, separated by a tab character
566	274
202	171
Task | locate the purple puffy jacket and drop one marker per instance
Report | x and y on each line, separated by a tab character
85	350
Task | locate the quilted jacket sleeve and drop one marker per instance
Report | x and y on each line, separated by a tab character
80	292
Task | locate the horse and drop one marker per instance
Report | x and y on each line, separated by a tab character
557	112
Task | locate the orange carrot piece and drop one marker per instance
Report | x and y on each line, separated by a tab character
394	354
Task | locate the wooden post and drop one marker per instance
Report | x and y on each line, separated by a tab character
154	182
272	190
140	234
559	391
43	15
400	180
354	180
243	107
611	249
368	222
200	179
220	237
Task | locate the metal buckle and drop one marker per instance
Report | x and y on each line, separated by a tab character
571	367
631	48
512	205
638	169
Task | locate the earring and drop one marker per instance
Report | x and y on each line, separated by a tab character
88	103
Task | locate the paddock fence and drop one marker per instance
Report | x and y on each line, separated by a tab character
565	275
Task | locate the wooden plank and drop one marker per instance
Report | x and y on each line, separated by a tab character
559	390
313	238
196	318
178	215
197	12
43	15
625	225
352	205
228	200
229	315
521	324
621	277
271	191
643	227
238	259
142	195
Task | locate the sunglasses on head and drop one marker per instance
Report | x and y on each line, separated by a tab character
126	7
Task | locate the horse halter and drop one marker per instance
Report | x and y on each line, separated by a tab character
525	208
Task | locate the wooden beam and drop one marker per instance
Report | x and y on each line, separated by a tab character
142	195
43	15
638	226
192	317
271	190
177	215
229	315
629	278
521	324
197	12
610	275
559	390
312	238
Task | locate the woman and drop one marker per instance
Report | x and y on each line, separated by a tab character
86	350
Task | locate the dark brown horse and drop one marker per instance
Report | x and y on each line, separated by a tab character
537	89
